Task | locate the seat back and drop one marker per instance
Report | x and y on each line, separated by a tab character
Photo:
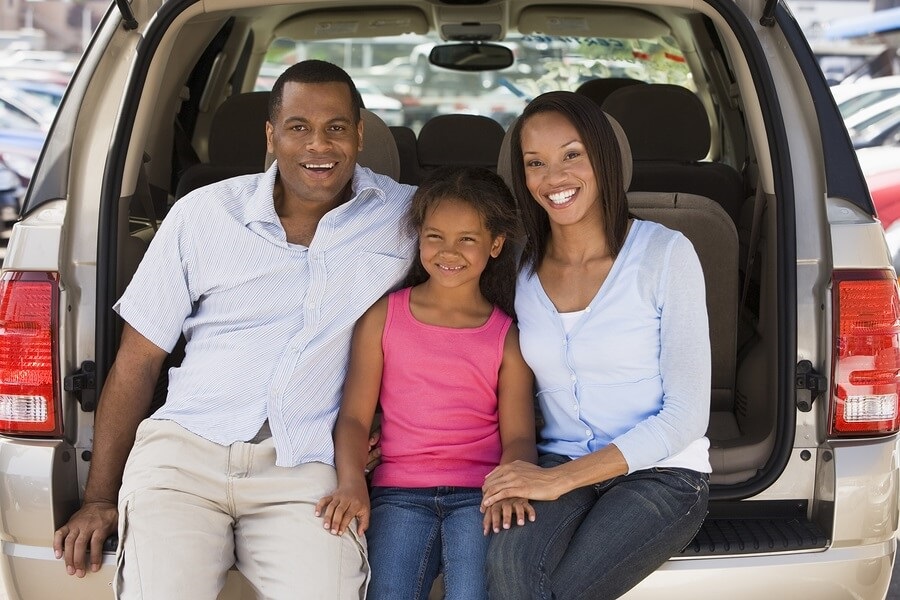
464	140
405	138
668	129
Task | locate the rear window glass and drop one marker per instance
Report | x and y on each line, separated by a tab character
398	83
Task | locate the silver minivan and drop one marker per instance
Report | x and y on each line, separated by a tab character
735	140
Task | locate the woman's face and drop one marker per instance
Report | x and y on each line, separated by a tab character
558	172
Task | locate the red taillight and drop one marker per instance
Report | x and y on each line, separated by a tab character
866	363
28	326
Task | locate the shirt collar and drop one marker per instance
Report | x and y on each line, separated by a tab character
261	206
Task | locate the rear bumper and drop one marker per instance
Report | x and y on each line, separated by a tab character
32	573
855	572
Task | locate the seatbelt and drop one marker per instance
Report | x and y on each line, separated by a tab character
759	206
144	194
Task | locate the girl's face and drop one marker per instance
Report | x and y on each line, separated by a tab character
558	172
454	245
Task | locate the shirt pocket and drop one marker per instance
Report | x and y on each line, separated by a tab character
376	274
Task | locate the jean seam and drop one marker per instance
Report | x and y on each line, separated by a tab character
423	564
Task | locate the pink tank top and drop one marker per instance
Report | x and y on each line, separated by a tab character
439	400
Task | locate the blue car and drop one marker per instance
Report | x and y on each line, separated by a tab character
20	144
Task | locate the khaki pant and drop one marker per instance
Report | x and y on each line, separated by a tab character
190	509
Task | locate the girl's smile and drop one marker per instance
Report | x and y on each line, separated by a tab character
454	245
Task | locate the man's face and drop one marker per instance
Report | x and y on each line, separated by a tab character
316	141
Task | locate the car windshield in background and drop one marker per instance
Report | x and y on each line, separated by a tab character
397	68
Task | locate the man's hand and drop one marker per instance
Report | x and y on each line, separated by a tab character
348	501
88	528
500	515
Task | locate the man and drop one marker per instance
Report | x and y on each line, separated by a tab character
265	276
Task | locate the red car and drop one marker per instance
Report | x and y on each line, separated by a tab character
881	167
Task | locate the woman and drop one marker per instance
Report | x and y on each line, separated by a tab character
612	315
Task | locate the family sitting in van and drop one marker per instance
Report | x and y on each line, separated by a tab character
238	467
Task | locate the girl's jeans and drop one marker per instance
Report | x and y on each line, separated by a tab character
601	540
416	532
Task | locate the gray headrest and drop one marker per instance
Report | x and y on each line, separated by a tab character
447	139
662	121
503	162
379	151
599	90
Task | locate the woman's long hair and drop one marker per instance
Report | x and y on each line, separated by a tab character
486	192
603	151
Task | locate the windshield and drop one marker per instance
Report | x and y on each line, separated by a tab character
399	84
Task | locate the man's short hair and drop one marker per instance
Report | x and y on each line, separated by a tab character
313	71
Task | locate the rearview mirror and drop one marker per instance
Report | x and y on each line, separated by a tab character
471	56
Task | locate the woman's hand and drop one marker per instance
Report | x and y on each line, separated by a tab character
347	501
500	514
520	479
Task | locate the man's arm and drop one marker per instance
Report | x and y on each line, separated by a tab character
124	403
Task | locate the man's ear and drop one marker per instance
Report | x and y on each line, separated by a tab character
270	131
497	246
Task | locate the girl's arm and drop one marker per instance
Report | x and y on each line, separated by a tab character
515	400
515	395
351	432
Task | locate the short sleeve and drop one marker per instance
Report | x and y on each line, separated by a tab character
158	299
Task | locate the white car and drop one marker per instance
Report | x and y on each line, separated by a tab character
854	96
803	300
389	109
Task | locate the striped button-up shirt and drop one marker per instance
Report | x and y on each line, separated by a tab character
267	323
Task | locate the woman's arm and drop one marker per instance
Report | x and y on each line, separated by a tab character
685	364
354	422
525	480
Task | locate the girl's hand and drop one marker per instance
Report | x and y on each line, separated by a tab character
520	479
345	503
500	514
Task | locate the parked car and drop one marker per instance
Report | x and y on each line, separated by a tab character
51	92
389	109
881	168
21	141
873	125
857	95
804	405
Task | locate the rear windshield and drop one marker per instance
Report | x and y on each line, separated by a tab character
397	82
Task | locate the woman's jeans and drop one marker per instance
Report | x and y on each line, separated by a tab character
601	540
414	533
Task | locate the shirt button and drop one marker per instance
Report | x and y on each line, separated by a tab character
588	309
587	432
311	306
574	378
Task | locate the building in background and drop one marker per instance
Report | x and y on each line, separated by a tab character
64	25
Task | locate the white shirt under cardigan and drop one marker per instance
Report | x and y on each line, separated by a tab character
267	323
634	368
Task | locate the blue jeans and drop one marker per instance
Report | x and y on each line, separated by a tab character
601	540
414	533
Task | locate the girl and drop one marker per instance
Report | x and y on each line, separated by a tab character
442	358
